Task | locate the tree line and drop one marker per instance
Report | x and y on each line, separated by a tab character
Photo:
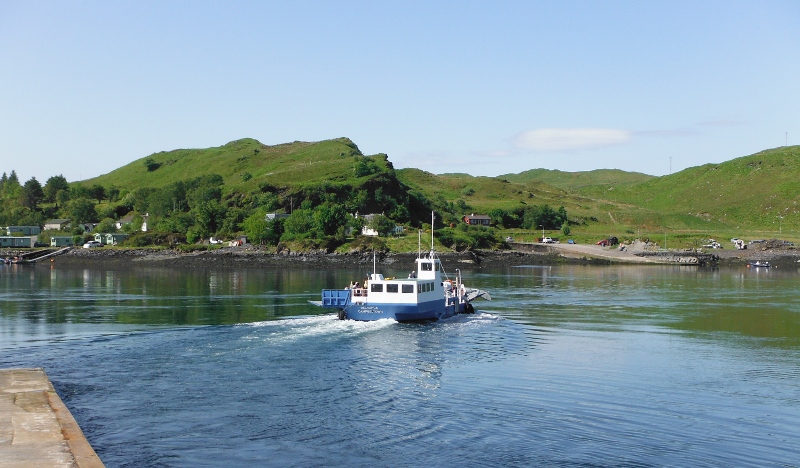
322	214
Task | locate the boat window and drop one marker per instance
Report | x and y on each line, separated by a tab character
426	266
391	288
375	288
408	288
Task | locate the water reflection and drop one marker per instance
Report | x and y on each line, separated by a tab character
757	303
746	302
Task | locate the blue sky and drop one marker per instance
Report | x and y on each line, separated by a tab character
481	87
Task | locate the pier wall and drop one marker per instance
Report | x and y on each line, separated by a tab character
36	428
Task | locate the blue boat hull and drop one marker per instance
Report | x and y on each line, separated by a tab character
432	310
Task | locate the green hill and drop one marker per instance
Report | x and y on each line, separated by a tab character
750	191
243	165
745	193
579	180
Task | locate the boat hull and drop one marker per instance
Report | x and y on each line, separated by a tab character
432	310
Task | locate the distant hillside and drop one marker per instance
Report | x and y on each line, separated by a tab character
750	191
243	165
747	191
579	180
482	194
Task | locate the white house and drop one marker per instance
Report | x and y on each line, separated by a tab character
57	224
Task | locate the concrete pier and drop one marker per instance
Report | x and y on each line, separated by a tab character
36	429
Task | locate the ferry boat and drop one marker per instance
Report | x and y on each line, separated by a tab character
427	294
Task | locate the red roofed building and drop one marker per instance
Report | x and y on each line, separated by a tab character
477	220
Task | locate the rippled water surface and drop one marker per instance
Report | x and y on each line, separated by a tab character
567	366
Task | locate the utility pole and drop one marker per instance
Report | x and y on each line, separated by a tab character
542	226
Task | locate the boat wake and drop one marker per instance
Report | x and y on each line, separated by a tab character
315	326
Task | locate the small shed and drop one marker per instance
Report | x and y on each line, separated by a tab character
61	241
15	241
56	224
127	219
114	238
110	238
23	230
477	219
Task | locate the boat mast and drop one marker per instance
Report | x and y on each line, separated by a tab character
433	217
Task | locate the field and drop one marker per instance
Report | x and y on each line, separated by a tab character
750	197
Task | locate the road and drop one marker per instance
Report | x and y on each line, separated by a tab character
596	251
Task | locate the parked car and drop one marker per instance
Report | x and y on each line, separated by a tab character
548	240
92	244
610	241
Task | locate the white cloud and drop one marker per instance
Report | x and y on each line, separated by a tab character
566	139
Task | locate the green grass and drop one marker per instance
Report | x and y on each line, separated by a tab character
280	165
743	197
579	180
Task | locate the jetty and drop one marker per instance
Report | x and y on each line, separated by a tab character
36	428
635	253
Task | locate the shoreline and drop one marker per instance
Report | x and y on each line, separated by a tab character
251	256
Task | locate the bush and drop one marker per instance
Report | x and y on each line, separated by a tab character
368	244
143	239
473	237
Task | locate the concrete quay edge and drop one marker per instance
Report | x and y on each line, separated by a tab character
36	427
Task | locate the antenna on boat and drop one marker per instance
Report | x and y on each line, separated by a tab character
374	264
419	243
433	217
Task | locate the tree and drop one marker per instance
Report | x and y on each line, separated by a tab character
151	164
364	166
53	186
300	224
106	225
32	193
208	217
78	191
98	192
11	187
112	193
81	210
382	225
256	227
329	218
62	197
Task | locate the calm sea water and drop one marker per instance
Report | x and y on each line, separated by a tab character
567	366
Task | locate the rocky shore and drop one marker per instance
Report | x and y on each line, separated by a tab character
253	256
250	256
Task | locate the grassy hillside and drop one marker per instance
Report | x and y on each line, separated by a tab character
244	165
481	194
579	180
747	192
